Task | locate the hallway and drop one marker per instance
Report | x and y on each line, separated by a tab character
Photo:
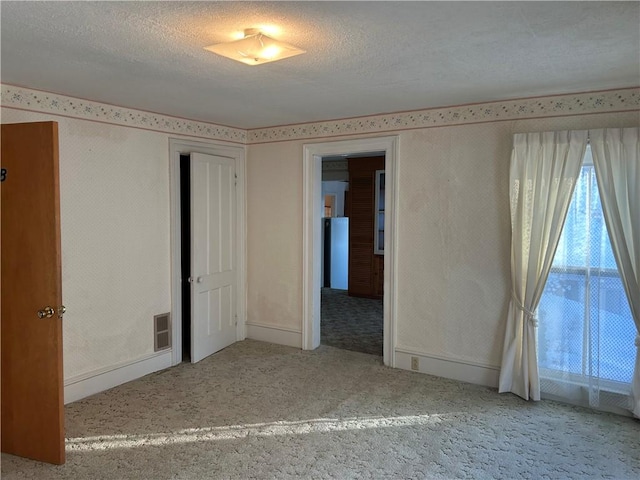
351	323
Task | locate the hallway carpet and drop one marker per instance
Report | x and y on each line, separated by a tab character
351	323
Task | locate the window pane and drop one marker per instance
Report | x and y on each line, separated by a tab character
585	327
561	325
612	348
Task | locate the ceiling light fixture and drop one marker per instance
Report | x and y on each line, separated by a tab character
255	48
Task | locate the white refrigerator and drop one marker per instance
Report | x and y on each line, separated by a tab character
336	253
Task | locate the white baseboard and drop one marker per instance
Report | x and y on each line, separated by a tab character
485	375
81	386
274	334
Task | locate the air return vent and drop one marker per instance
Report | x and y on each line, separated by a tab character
161	332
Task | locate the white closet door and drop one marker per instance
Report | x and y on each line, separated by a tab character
213	256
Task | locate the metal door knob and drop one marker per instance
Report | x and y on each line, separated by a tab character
199	280
46	312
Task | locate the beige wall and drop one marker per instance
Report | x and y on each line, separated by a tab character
274	235
114	202
453	234
453	229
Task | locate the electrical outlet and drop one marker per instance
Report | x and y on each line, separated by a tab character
415	363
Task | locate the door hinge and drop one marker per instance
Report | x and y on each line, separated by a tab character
236	319
235	176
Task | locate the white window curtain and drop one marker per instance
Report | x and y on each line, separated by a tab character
616	157
543	173
586	353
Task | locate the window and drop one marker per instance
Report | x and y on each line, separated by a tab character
586	330
378	239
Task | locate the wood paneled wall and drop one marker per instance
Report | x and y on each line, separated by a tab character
366	270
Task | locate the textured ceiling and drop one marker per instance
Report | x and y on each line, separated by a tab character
362	58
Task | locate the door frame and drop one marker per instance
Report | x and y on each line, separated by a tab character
179	146
313	207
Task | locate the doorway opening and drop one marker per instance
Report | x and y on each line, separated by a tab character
313	280
351	300
185	256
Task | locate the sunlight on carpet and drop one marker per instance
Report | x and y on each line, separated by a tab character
232	432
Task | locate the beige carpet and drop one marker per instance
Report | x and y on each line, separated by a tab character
257	410
351	323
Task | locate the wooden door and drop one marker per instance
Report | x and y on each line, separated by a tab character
213	254
32	375
366	269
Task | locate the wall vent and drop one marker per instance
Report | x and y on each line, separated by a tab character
161	332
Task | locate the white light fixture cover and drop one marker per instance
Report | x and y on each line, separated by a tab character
255	48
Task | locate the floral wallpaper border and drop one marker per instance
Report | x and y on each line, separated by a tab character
627	99
33	100
560	105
